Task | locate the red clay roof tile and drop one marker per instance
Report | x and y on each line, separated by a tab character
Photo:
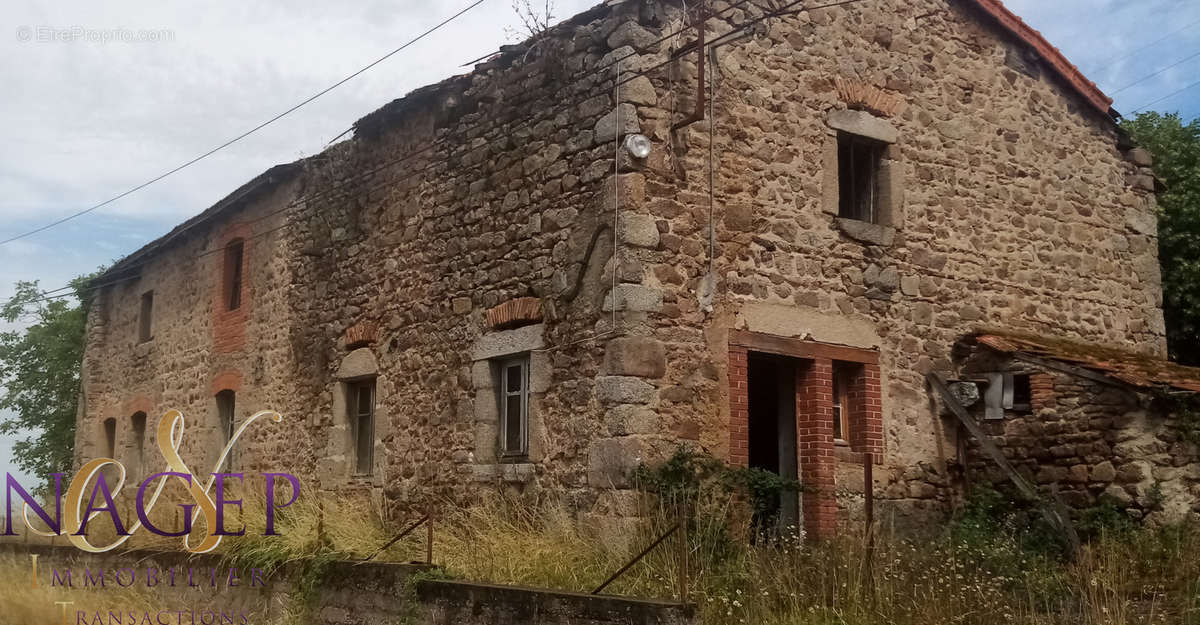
1133	368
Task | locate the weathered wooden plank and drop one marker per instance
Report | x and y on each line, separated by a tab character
797	348
985	441
1054	511
1081	372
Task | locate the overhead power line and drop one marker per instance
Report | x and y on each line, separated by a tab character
1149	76
1166	97
248	132
1165	37
789	8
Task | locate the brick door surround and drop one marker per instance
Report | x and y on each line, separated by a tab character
814	414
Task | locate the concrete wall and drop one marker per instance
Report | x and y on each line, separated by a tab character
348	593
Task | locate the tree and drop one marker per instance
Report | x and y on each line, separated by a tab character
1176	150
39	370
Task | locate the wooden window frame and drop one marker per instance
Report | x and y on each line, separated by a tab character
362	425
504	393
857	153
842	417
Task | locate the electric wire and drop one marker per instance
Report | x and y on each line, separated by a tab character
244	134
718	41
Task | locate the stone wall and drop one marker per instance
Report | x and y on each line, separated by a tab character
1097	442
1008	201
349	593
198	347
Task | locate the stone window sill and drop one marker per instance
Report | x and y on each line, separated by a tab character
510	472
866	232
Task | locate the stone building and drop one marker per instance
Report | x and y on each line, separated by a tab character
753	232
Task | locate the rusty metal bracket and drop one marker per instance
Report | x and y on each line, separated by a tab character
426	520
698	114
612	578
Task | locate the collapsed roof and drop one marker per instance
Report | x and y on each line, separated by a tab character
1128	367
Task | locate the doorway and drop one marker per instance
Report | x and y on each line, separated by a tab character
771	390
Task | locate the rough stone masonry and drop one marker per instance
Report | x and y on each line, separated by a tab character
484	290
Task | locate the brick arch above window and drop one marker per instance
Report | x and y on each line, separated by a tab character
229	321
230	380
138	403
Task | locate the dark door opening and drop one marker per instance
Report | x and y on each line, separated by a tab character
771	382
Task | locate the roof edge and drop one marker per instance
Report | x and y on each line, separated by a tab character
266	181
1066	70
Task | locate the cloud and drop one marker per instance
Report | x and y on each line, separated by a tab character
84	121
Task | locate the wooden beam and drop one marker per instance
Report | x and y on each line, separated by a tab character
1054	511
798	348
1081	372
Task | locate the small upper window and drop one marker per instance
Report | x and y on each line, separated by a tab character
361	398
1006	392
110	437
1022	395
859	161
514	406
145	317
227	416
233	274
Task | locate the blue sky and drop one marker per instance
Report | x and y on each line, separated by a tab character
86	119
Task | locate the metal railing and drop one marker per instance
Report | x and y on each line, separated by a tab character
680	527
427	521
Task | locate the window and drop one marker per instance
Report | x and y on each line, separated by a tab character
361	398
841	403
110	438
859	161
144	318
233	274
227	417
1006	391
514	406
138	423
1022	395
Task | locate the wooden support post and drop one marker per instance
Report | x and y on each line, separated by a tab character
429	536
684	549
1054	511
869	521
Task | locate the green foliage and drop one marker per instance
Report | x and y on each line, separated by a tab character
988	513
684	476
39	372
1184	410
1103	519
1176	149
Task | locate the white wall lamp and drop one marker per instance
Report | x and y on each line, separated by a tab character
637	145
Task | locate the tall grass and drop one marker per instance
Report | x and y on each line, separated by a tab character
974	572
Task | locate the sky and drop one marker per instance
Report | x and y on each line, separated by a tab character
102	96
